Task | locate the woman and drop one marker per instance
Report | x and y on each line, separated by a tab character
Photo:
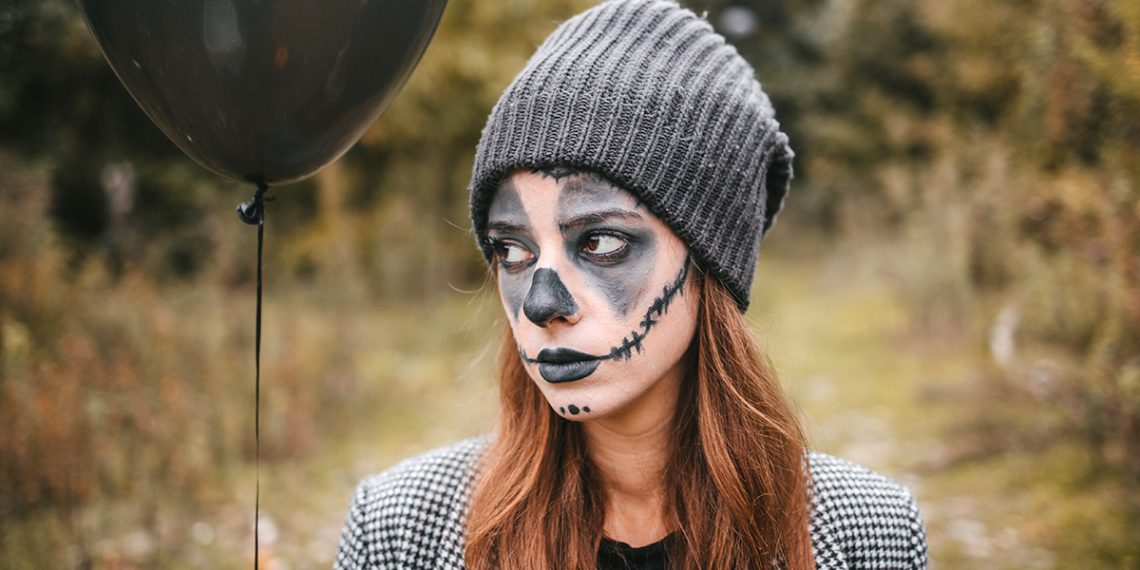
620	191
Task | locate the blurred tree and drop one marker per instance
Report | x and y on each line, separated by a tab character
61	106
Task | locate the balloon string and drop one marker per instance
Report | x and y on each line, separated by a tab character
253	212
257	395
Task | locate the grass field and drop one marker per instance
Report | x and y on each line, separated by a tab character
872	388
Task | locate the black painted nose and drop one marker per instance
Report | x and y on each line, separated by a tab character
548	298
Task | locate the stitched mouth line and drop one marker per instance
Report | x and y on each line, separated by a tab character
633	341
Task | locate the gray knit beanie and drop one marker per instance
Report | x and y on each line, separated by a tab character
646	94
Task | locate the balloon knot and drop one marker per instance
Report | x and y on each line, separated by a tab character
252	211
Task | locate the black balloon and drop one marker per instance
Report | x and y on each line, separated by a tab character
265	91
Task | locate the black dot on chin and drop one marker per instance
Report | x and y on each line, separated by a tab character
563	410
574	409
586	409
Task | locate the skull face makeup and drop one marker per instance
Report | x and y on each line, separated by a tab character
594	286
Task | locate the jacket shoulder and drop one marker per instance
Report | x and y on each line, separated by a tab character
861	519
412	515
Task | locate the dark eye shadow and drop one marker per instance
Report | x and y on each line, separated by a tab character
507	218
588	205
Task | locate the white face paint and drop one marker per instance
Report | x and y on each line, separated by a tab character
596	288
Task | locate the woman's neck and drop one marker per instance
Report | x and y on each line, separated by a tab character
630	449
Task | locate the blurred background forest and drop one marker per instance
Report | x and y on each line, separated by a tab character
953	293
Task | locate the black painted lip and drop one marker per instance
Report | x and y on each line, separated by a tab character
558	365
562	356
566	365
567	371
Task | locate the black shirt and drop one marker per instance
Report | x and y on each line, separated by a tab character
615	555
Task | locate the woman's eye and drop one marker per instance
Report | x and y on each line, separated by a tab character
511	254
604	245
514	254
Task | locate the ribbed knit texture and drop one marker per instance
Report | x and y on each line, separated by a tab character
645	93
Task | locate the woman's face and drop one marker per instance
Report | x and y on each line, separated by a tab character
596	288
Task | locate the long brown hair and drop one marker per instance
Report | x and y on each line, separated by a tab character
736	480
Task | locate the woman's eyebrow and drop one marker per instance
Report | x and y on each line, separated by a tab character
597	217
508	227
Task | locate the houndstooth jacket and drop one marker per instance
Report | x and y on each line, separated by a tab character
412	516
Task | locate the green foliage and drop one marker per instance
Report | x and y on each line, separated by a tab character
996	142
990	148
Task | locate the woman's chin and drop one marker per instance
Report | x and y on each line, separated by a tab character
580	400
